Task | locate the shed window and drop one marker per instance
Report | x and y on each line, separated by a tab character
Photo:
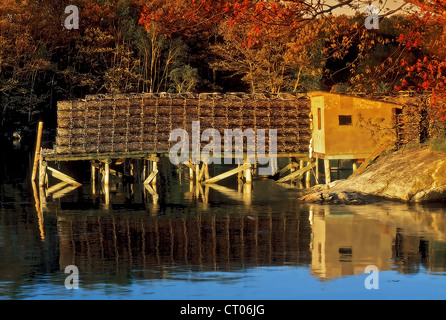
345	120
319	120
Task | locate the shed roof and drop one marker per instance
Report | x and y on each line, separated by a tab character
396	101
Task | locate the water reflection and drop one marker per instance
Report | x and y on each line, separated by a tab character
332	242
178	230
390	235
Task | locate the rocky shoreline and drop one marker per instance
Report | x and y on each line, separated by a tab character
411	175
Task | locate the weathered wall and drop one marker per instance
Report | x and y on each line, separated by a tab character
372	124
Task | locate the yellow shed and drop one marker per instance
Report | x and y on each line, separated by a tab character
349	127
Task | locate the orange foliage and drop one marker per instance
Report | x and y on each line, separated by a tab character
428	36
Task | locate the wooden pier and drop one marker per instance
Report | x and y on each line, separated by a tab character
130	132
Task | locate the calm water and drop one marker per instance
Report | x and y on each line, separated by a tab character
221	242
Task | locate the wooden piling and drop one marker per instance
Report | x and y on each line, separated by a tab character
106	173
42	172
327	171
202	173
248	173
355	166
155	170
38	210
191	169
308	176
93	173
37	151
132	168
292	165
191	173
197	174
107	194
93	179
247	193
152	176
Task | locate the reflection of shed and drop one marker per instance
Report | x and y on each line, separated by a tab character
347	127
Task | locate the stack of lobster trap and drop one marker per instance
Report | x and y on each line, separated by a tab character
143	122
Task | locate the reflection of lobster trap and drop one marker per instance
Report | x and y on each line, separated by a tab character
143	122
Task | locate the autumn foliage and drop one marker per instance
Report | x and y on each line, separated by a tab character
214	45
426	41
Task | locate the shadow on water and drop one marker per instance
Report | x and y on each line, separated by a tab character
184	233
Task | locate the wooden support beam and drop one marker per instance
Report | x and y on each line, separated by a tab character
327	171
240	175
37	151
106	174
61	176
191	173
289	167
247	194
298	173
369	160
42	197
57	187
248	174
120	161
228	173
151	176
95	164
308	176
189	165
153	158
63	192
152	191
197	174
107	195
201	173
154	170
191	169
205	193
206	171
93	173
115	173
42	171
285	169
39	210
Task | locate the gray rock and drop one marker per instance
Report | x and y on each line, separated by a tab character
415	175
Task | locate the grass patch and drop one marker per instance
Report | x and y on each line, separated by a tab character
437	144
